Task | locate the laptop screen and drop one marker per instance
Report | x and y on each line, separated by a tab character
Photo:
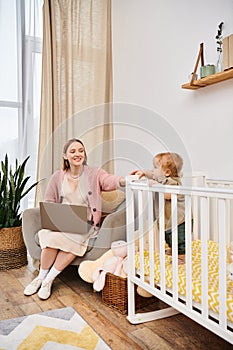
68	218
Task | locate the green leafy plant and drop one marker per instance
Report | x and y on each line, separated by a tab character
219	37
12	190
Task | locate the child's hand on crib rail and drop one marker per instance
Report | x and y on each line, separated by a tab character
139	173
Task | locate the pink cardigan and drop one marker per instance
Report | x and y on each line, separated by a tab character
97	180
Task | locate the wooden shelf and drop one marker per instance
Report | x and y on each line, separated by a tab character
209	80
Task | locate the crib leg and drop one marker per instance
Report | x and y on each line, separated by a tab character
152	315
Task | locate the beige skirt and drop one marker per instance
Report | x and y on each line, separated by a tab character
74	243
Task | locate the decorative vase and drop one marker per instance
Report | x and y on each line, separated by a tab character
219	64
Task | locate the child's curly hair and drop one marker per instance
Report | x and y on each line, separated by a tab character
170	163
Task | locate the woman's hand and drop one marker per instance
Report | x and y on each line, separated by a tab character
122	182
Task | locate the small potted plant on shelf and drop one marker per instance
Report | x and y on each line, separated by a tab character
13	189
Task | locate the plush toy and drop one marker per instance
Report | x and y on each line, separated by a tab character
111	261
114	261
86	268
112	265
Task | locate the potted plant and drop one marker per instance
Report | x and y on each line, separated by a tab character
13	188
219	41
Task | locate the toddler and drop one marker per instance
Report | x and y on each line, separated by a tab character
167	171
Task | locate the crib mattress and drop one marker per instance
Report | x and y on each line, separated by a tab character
213	294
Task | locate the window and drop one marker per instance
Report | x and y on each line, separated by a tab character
20	84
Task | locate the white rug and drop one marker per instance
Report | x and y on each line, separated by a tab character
60	329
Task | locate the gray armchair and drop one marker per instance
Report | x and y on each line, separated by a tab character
113	228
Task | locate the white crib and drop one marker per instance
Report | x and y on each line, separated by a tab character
208	231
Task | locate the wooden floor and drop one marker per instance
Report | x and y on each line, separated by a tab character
176	332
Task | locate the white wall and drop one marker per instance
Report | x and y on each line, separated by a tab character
155	46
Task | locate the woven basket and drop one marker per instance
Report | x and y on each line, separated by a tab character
115	294
13	253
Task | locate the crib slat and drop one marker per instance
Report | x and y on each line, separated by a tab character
174	247
222	220
131	246
228	220
188	248
141	217
204	255
151	235
161	242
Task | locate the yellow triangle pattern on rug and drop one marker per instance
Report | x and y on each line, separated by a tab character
55	329
87	339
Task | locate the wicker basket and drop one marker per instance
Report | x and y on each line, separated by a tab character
13	253
115	294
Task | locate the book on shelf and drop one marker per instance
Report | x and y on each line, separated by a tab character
227	50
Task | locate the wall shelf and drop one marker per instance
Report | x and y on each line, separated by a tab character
209	80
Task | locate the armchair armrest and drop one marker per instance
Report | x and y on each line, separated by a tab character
31	224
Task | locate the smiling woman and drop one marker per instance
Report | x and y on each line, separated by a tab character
76	183
73	160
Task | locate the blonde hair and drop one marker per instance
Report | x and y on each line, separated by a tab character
171	162
65	162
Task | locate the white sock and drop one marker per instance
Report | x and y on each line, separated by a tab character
52	274
42	274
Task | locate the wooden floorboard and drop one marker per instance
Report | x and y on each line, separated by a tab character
176	332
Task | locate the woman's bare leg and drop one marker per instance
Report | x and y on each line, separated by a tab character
63	259
48	256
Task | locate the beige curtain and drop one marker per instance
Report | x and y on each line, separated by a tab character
76	83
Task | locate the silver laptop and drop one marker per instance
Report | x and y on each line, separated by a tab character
68	218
